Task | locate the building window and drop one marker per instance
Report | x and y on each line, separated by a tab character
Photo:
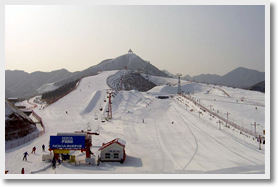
107	155
116	155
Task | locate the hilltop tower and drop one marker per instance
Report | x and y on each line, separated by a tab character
130	51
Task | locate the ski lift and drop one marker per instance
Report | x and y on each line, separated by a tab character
96	118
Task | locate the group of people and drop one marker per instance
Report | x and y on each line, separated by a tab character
26	154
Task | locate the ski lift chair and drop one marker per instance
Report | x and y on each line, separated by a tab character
96	118
88	127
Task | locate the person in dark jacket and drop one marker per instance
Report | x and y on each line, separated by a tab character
22	171
25	156
43	147
54	163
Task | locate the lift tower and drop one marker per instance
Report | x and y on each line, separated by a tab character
179	83
109	109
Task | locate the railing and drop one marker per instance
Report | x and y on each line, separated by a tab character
239	127
223	91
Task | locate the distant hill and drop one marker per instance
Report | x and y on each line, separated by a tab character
187	77
129	61
239	77
169	74
258	87
206	78
22	85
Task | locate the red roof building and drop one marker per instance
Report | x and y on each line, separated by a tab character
113	151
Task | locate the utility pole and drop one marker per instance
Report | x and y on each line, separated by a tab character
227	117
179	83
255	125
219	124
260	141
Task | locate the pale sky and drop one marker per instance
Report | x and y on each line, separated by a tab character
182	39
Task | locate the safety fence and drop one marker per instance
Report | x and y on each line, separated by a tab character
228	122
15	143
224	92
253	102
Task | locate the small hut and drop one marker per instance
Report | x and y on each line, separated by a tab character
113	151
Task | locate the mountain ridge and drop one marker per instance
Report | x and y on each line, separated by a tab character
239	77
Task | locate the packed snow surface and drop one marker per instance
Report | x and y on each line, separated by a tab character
173	139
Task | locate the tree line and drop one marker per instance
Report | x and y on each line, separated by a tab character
54	95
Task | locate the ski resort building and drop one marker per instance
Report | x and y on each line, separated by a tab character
113	151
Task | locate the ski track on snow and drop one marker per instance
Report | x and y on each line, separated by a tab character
217	140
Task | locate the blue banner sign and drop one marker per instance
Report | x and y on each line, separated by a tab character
67	142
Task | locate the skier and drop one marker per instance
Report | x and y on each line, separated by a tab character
22	171
143	120
43	146
59	161
53	163
66	112
34	150
25	156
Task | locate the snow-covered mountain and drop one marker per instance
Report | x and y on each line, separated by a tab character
129	61
163	136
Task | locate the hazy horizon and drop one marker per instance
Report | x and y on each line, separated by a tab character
191	40
160	69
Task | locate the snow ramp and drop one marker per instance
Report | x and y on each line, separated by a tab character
91	105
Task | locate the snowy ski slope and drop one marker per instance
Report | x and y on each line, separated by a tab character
190	145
